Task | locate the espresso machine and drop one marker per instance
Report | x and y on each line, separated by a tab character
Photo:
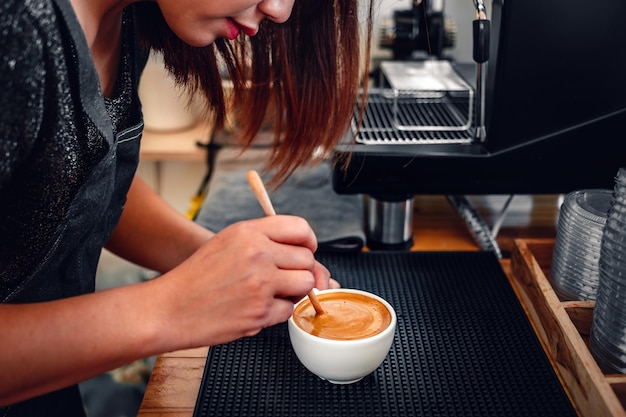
423	27
541	110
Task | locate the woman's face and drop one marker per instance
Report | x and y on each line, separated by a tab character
201	22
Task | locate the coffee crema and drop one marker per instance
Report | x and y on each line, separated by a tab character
347	316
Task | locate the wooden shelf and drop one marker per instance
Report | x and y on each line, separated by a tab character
563	327
178	145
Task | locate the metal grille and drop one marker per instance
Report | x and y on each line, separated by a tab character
382	123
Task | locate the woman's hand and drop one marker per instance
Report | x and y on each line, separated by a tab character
241	281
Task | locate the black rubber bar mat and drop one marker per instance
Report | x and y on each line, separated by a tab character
463	347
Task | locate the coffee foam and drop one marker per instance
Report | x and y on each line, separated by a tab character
347	316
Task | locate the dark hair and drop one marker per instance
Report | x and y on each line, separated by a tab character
304	73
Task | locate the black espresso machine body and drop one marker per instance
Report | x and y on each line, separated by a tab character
554	112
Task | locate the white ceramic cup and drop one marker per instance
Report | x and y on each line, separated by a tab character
342	361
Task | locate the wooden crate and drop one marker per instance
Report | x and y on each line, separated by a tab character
563	327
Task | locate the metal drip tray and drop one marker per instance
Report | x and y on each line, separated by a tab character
418	102
380	120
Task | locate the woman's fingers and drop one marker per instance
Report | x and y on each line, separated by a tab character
290	284
290	230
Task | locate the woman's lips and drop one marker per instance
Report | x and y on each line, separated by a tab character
234	28
248	31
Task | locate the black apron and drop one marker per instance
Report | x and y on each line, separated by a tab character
69	267
69	264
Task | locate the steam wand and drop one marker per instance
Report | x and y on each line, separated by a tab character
481	29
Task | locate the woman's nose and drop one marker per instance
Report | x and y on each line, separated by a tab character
277	11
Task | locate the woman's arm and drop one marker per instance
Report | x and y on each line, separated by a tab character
242	280
238	282
47	346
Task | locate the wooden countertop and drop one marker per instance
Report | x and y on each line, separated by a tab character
176	376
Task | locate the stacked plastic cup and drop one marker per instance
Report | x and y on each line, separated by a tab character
607	341
575	270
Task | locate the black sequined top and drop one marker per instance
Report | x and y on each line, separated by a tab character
67	157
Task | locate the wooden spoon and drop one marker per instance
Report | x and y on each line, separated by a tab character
264	200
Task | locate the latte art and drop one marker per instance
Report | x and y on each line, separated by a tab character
347	316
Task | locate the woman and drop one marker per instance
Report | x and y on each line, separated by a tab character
70	125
